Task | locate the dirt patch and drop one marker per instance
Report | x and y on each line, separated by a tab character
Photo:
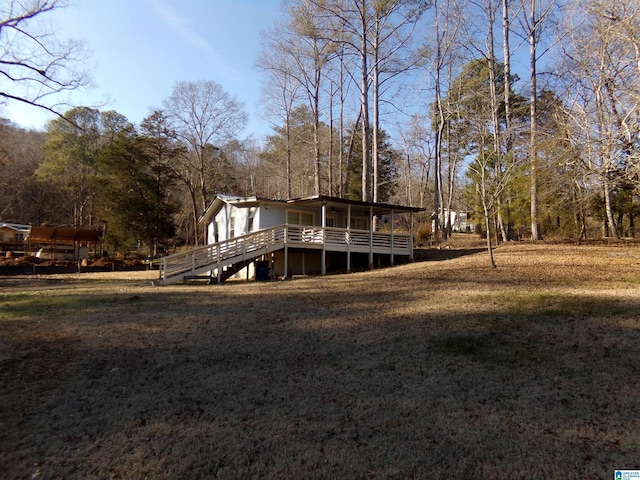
436	369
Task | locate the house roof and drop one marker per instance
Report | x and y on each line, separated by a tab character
378	208
315	200
56	235
245	202
15	226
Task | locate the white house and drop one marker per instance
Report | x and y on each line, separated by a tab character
12	236
459	221
311	235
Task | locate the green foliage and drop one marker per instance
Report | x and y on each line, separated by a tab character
133	191
71	150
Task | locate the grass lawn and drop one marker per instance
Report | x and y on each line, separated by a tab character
437	369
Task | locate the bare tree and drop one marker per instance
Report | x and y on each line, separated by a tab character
600	69
281	91
311	50
444	61
391	39
36	67
535	16
204	117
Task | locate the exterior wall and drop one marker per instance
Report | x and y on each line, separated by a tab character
232	222
271	216
12	236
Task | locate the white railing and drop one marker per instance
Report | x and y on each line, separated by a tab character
251	245
217	254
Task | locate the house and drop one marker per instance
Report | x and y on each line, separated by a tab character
458	220
12	237
311	235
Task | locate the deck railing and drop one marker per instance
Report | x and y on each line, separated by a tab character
254	244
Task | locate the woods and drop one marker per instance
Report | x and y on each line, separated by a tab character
523	114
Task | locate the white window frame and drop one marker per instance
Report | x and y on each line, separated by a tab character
300	213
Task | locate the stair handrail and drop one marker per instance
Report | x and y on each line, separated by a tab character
212	254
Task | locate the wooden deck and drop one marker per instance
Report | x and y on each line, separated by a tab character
218	256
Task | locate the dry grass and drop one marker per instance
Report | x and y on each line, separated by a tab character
438	369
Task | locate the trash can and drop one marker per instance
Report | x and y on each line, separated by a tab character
262	270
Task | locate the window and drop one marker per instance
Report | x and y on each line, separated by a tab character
359	223
252	214
232	227
331	221
299	218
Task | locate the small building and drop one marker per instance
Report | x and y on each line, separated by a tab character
459	221
311	235
60	243
12	237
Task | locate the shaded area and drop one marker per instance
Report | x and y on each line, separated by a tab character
327	379
435	254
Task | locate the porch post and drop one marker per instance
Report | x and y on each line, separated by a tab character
348	238
219	264
391	259
411	236
371	237
323	255
286	254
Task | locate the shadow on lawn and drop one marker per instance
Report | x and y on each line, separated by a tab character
316	385
434	254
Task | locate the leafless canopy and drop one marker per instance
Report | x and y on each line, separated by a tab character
35	65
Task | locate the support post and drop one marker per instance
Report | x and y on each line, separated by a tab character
371	238
323	255
219	264
286	254
411	236
391	259
349	238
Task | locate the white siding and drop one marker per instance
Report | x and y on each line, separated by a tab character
272	216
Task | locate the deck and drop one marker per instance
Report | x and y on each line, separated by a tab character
218	256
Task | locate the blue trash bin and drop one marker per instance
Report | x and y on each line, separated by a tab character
262	270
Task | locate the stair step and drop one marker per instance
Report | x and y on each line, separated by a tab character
208	278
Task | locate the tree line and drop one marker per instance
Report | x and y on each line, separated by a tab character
523	112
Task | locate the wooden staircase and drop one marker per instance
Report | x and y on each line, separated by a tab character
222	259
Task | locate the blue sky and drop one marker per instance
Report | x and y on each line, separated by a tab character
141	48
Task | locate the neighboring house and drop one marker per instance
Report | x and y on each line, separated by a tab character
12	237
459	221
311	235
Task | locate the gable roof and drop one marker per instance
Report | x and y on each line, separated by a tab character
241	202
15	226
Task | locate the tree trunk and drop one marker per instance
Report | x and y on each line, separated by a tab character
364	90
533	104
487	219
330	164
376	113
609	210
287	129
194	205
316	122
495	120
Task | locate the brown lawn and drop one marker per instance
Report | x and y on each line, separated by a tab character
437	369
